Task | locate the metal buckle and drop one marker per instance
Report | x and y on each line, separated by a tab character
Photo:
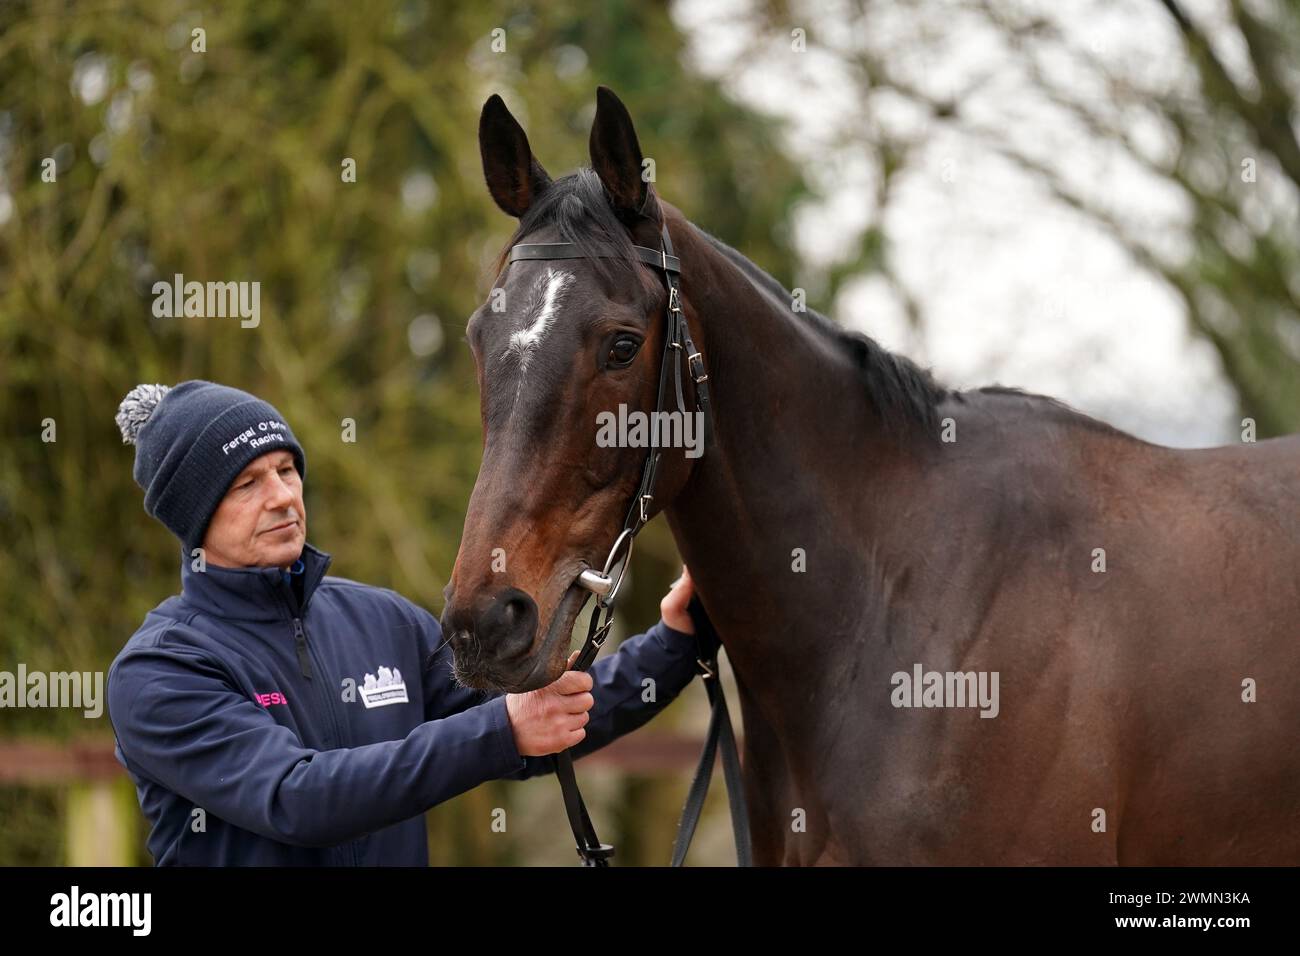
602	632
697	374
674	300
642	503
595	856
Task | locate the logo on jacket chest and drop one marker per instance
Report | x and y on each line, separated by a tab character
270	699
383	689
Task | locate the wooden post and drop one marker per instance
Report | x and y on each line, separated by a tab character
101	823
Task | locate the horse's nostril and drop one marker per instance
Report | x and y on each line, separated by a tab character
454	622
507	625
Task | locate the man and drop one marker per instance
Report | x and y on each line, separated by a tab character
270	715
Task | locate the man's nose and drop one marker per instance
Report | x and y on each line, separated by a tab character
497	626
281	495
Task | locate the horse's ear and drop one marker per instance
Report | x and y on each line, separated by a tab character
514	177
616	155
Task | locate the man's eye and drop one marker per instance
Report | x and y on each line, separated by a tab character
245	484
623	351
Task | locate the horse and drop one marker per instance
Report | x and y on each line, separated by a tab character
966	626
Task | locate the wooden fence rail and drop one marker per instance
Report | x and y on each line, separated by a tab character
103	815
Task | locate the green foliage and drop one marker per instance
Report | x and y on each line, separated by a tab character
226	165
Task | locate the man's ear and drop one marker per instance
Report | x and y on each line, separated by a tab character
514	177
616	157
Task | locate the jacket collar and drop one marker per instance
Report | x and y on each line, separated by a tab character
253	593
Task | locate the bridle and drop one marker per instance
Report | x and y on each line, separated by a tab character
605	584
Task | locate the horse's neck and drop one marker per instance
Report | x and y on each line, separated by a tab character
772	520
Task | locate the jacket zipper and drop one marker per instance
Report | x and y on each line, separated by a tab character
304	658
300	642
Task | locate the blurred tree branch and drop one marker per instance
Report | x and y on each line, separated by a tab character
1227	152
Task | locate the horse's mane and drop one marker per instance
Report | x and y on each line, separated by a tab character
1054	408
905	395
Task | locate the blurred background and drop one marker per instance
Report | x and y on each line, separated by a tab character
1096	200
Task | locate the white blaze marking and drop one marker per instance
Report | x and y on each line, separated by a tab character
526	341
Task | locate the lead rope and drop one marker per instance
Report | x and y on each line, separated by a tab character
719	728
590	849
719	717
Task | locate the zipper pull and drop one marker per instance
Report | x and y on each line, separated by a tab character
300	642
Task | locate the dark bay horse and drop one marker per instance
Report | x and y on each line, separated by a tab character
853	527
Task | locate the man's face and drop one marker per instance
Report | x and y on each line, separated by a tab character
261	522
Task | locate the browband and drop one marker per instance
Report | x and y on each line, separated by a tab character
565	250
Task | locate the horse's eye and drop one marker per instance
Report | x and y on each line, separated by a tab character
623	351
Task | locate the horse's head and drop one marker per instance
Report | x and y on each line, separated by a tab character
558	343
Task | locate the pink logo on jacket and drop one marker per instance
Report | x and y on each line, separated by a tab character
274	697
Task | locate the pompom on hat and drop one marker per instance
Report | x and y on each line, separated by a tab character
191	441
